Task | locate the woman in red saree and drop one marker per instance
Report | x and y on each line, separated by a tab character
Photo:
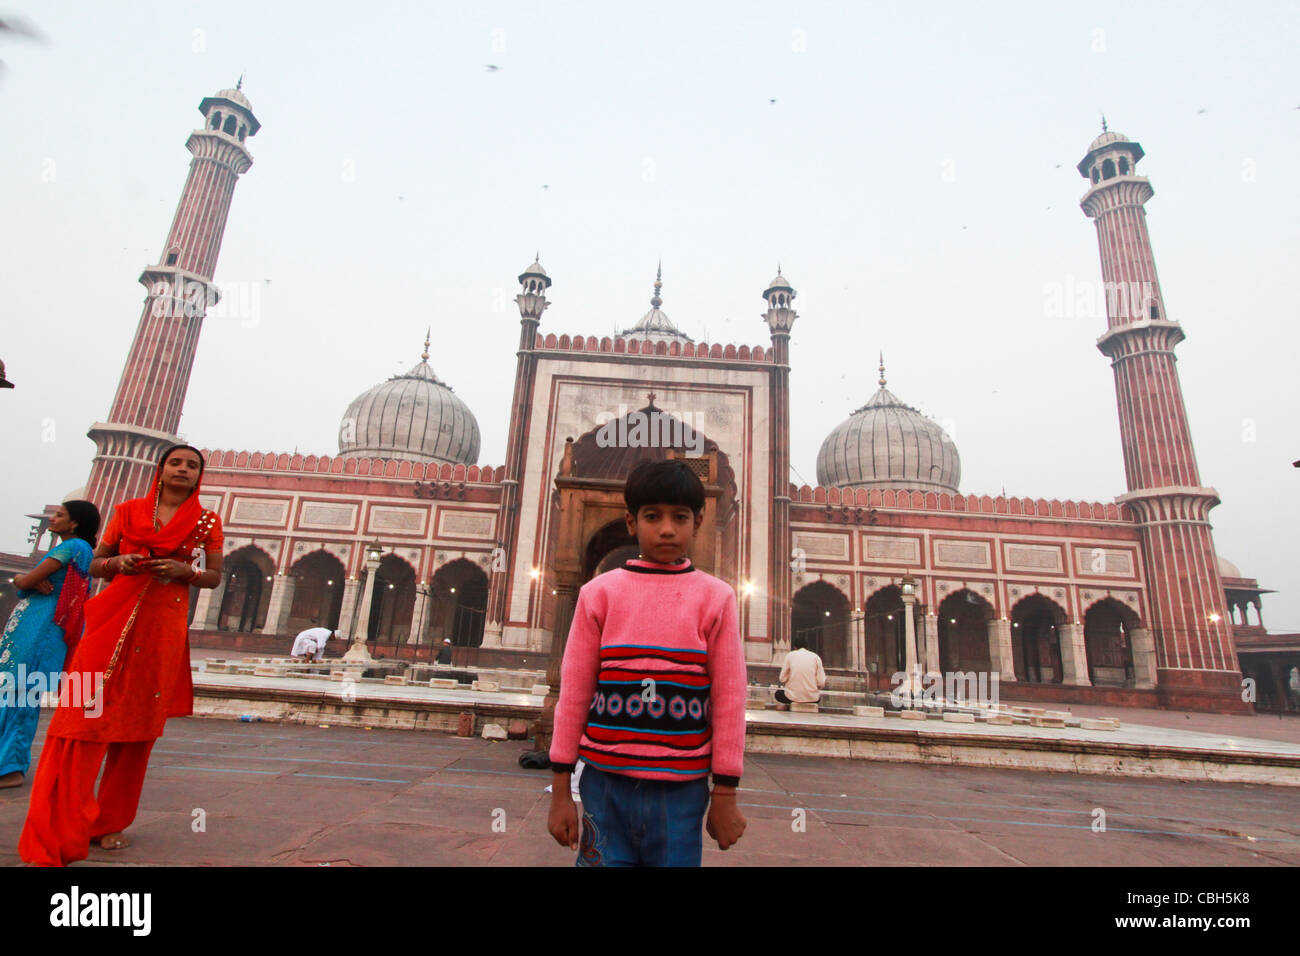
136	637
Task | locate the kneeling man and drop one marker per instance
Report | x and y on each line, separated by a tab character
802	675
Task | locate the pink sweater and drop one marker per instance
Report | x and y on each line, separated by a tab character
653	682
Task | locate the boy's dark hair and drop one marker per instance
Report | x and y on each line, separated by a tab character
798	642
669	482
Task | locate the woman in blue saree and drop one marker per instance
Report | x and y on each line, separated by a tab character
41	632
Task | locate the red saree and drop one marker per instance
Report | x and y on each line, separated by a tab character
137	630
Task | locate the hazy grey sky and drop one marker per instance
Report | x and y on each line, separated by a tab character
914	177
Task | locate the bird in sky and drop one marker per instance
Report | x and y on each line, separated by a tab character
492	68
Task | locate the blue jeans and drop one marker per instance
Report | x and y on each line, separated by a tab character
631	822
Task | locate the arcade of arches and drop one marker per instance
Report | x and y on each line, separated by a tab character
1038	641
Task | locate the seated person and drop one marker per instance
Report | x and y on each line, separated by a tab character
444	652
802	675
310	644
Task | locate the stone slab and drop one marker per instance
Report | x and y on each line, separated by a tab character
912	714
494	732
1047	722
540	690
866	711
1098	723
449	683
396	679
799	708
955	718
486	686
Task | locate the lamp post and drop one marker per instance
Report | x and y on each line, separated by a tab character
358	651
908	585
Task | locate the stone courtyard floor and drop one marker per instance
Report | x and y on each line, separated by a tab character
301	795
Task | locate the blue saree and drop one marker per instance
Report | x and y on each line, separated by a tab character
32	650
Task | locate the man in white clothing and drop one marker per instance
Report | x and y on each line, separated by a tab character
310	644
802	675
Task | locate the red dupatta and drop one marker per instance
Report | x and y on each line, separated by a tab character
70	611
110	614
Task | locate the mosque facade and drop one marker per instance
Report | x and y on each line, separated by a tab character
403	538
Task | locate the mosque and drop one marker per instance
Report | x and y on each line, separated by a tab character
403	538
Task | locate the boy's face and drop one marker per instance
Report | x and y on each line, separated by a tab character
664	532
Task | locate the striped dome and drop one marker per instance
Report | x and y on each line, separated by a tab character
411	417
886	444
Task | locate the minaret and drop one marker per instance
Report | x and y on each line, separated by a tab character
1196	659
532	302
146	410
780	317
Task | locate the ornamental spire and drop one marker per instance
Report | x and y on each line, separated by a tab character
656	301
882	369
425	354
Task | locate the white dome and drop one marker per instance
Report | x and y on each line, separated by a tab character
886	444
1227	569
411	417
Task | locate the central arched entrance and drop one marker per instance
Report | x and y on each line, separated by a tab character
1108	627
964	633
608	549
457	604
393	602
317	593
247	597
885	635
1036	623
820	615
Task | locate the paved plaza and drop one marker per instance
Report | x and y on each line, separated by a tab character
300	795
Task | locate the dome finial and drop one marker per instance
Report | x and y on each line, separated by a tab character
656	301
239	85
1103	122
882	369
425	354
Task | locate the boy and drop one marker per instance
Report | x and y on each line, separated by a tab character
652	693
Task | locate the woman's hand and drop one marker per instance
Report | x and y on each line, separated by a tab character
125	564
44	586
169	570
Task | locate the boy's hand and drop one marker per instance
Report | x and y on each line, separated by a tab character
563	820
725	822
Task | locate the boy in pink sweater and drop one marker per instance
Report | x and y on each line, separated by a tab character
652	693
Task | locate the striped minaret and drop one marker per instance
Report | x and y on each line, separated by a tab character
1195	656
532	302
780	318
146	410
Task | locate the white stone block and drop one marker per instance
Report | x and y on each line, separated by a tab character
396	679
1000	720
1047	722
912	714
449	683
262	671
494	732
1098	723
541	690
862	710
486	686
953	717
799	708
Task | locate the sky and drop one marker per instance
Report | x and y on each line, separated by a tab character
913	174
